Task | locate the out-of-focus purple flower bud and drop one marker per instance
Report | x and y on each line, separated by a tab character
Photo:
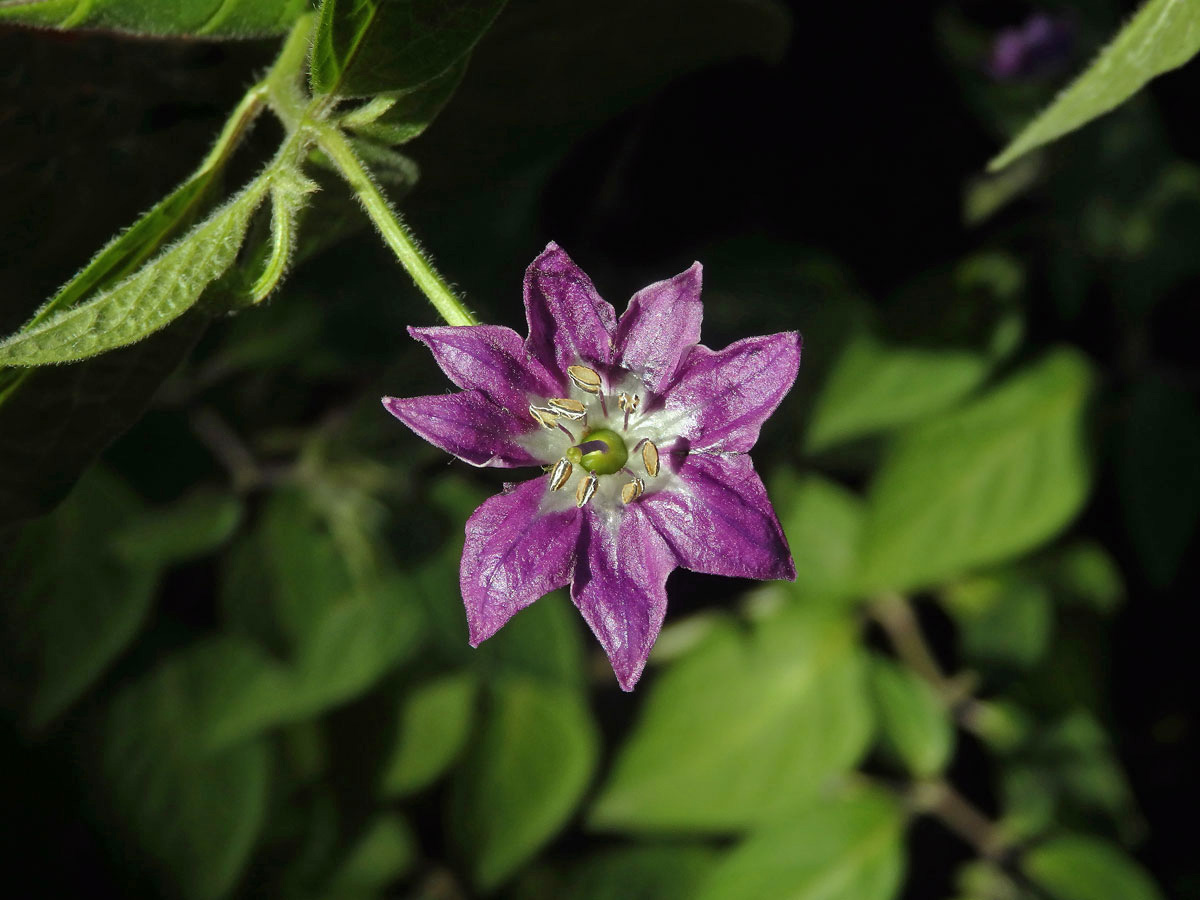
1040	47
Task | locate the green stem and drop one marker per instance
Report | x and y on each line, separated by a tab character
940	800
335	145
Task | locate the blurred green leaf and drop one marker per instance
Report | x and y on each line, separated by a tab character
524	776
195	815
643	872
848	849
1163	35
1074	867
435	722
1005	618
192	18
383	853
1158	477
190	527
982	880
985	482
160	291
365	47
913	722
411	113
75	603
1085	572
875	386
744	729
823	522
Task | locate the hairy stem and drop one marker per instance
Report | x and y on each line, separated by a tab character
335	145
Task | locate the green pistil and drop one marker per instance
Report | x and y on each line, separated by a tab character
602	451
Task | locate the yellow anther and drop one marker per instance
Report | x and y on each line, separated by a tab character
543	416
584	378
632	490
650	458
587	487
561	473
567	408
628	402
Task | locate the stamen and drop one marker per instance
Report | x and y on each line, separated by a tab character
587	487
567	408
543	416
584	378
632	490
650	458
561	473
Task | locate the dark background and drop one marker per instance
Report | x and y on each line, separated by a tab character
857	145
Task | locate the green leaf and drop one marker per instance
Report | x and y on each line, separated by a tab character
76	604
195	815
407	116
435	722
1085	573
913	722
524	777
645	872
192	18
1157	476
875	386
849	849
986	482
366	47
823	523
193	526
160	291
1074	867
383	853
1005	618
1163	35
744	729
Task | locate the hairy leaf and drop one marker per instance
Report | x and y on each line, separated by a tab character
744	731
411	113
990	480
162	290
525	774
849	849
1163	35
179	18
365	47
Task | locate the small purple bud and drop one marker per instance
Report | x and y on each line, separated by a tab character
1042	46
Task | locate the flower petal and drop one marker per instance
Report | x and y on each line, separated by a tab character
719	520
661	323
468	425
568	321
490	358
620	586
723	397
514	554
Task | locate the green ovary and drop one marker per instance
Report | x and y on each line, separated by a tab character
605	459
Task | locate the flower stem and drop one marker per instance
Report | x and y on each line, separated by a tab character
336	146
943	802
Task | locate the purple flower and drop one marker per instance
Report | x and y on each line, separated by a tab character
642	432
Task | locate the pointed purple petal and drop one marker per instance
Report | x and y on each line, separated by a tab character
723	397
490	358
719	520
661	323
514	554
568	321
620	586
468	425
